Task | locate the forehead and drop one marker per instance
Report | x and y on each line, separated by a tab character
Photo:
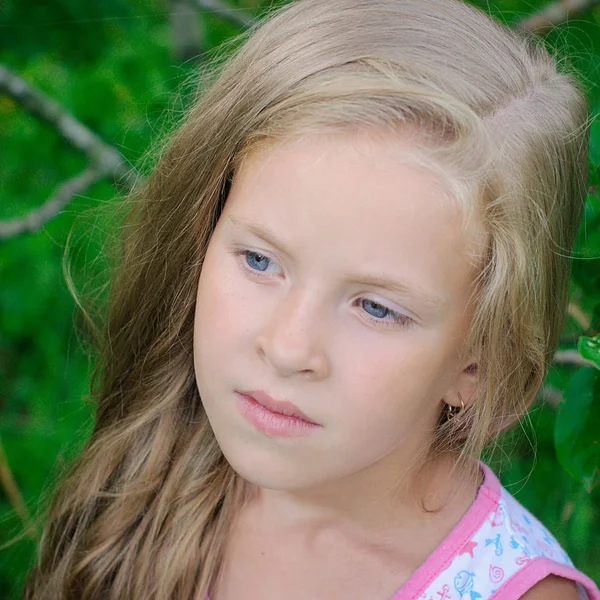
347	145
352	164
345	201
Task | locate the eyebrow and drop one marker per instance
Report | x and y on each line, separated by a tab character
428	299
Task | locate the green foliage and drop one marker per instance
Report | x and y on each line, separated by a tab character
111	65
576	431
589	348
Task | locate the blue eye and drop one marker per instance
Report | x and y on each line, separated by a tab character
383	312
253	257
254	262
383	315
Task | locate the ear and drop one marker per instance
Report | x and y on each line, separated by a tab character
465	385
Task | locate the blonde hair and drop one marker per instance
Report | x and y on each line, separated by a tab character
146	509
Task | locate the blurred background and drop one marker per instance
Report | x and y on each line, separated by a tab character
87	89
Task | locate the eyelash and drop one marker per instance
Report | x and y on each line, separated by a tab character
396	317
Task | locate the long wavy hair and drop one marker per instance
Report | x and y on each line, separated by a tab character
145	510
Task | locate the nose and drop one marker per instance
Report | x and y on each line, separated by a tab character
291	340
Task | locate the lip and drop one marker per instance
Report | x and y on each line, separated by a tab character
281	407
273	423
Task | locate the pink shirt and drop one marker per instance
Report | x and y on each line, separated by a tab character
497	551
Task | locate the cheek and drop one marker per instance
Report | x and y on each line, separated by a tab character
400	381
399	365
223	315
214	311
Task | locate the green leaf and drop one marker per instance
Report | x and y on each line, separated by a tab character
576	431
589	348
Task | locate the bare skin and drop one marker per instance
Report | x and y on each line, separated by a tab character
265	560
336	514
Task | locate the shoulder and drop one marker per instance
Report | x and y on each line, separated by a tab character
552	587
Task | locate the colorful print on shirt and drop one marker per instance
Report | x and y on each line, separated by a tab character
497	553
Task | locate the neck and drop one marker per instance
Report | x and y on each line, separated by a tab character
362	505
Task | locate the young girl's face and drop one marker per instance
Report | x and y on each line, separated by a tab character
291	313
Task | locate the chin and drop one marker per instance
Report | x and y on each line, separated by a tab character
270	469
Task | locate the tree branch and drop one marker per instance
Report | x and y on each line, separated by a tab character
583	319
11	489
75	133
554	14
549	395
105	160
233	15
66	192
187	30
571	357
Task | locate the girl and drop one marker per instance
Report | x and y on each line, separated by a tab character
346	275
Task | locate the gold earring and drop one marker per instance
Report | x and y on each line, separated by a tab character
452	411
